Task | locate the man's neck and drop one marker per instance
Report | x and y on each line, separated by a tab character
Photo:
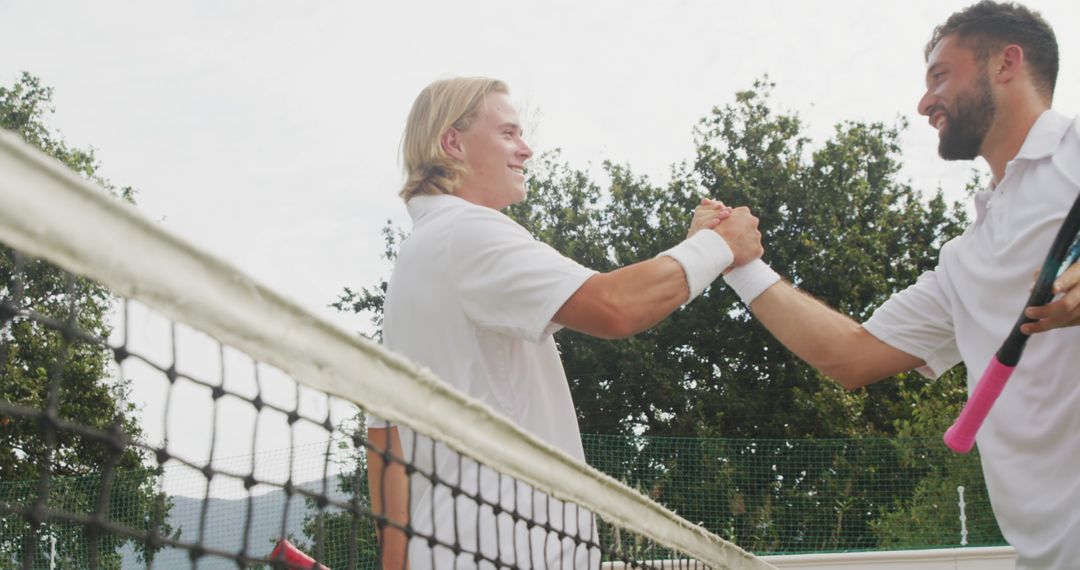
1006	136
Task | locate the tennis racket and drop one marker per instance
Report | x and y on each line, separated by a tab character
287	556
1063	253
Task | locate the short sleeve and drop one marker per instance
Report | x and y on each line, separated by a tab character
506	280
917	321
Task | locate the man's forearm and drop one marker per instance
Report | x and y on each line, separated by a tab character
631	299
626	301
827	340
389	487
647	292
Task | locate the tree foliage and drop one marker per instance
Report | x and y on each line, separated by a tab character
836	220
32	355
335	537
926	516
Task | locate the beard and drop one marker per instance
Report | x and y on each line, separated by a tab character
965	130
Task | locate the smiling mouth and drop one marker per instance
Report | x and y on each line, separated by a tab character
937	120
518	170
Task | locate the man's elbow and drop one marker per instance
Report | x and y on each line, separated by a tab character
850	375
615	325
612	318
598	310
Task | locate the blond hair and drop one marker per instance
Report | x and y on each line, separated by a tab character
448	103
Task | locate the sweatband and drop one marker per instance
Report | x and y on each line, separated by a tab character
703	257
751	280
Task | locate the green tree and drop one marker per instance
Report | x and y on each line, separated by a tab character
841	224
32	355
930	515
339	538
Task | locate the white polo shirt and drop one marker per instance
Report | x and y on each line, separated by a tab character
471	297
964	309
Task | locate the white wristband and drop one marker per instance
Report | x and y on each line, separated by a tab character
703	257
751	280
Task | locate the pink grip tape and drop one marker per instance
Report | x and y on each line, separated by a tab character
294	558
961	436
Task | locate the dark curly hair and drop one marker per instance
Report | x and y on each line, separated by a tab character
989	26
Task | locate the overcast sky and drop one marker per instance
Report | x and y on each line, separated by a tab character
267	132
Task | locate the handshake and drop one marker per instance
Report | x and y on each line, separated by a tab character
723	240
737	226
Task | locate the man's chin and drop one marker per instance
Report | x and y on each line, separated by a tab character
517	197
954	156
953	150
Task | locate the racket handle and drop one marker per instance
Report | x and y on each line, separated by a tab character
961	436
293	558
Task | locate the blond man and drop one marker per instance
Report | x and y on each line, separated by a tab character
477	299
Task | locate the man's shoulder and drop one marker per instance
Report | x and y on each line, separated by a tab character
1067	157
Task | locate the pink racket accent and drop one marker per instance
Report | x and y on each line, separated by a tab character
961	436
294	558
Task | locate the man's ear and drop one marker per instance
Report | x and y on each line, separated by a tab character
1007	64
451	144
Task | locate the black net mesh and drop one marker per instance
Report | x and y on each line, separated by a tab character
130	441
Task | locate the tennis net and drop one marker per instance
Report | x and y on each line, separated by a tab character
97	304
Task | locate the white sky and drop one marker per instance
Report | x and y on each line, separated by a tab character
267	132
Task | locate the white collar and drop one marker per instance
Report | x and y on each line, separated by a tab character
424	204
1045	136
